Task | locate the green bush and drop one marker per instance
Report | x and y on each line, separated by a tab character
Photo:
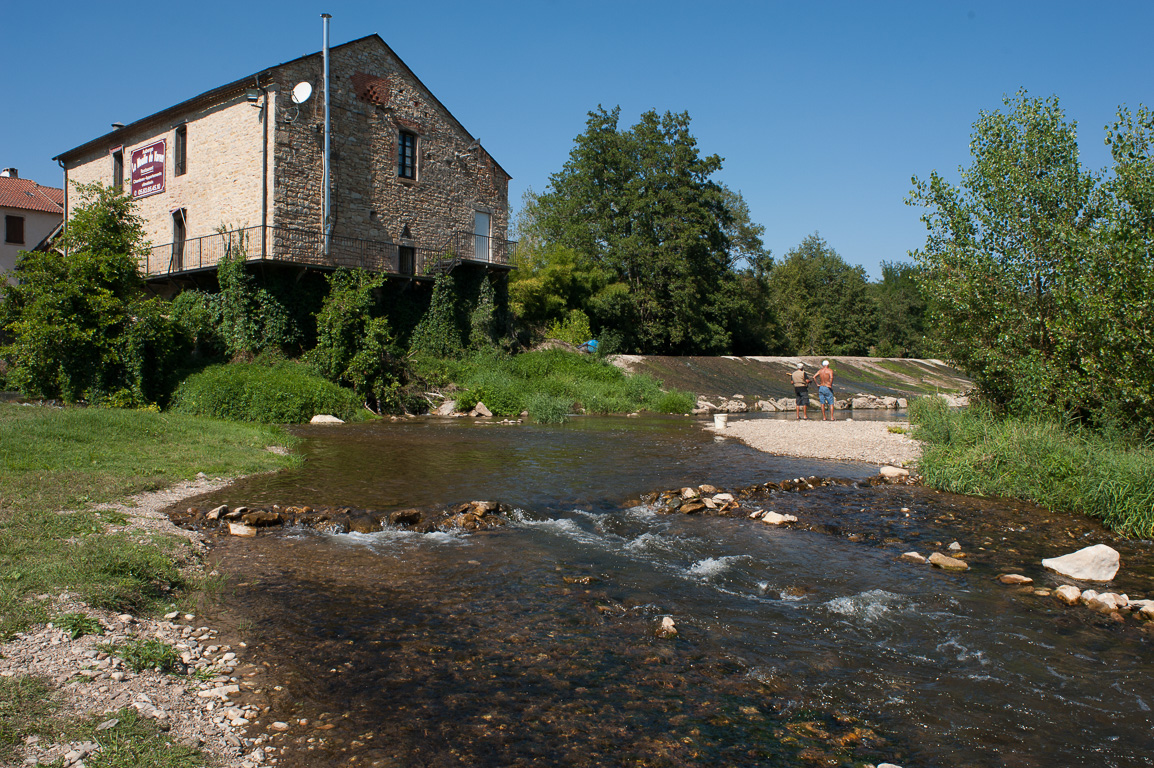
286	393
548	409
976	452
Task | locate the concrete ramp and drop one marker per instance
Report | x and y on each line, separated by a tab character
768	377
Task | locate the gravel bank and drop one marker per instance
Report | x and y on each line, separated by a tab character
204	710
844	440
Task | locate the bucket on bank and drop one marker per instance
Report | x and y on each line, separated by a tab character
720	420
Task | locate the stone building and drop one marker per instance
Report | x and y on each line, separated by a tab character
29	213
413	193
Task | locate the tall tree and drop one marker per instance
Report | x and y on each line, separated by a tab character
901	312
1004	251
823	303
640	205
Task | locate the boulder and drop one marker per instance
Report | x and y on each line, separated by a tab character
913	557
775	518
765	405
734	406
1096	563
217	512
481	410
939	560
1015	578
325	418
903	403
447	408
1068	594
889	402
864	403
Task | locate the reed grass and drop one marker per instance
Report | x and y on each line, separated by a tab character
977	452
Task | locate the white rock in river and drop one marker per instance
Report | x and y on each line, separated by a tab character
775	518
325	418
1068	594
913	557
894	473
1096	563
667	628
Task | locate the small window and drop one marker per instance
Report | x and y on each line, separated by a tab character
407	155
118	169
178	234
180	148
14	230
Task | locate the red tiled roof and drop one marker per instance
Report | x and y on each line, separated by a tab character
27	195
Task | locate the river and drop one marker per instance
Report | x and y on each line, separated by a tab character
535	644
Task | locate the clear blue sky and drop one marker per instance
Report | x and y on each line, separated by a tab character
822	110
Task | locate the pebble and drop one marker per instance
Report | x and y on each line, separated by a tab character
913	557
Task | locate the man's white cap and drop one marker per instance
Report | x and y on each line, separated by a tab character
825	362
799	365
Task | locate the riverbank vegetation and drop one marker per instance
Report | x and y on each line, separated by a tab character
71	459
1063	467
1040	285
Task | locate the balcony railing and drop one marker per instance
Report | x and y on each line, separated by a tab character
302	246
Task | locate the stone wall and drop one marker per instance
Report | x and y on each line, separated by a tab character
374	97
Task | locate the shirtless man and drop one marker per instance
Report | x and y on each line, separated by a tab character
824	379
801	381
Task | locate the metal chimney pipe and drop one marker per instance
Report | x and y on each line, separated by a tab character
327	210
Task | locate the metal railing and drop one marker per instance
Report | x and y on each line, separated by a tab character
303	246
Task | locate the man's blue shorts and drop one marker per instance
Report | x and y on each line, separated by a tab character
825	396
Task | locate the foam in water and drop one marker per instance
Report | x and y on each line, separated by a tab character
870	606
711	566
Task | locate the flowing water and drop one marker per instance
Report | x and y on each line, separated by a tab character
534	644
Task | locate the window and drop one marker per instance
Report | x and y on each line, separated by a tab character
407	155
178	232
180	149
14	230
118	169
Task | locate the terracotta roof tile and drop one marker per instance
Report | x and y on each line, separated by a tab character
30	196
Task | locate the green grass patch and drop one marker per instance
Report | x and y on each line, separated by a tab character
79	624
286	393
550	384
140	655
68	459
26	707
134	742
976	452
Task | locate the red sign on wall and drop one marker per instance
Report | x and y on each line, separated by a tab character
147	169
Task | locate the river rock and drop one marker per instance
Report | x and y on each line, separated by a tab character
325	418
692	507
948	563
1068	594
363	524
240	529
689	493
1146	613
216	512
667	628
1096	563
765	405
1105	602
1015	578
889	402
405	517
913	557
447	408
775	518
261	517
893	474
480	410
734	406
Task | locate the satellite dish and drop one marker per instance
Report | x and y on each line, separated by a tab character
301	92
